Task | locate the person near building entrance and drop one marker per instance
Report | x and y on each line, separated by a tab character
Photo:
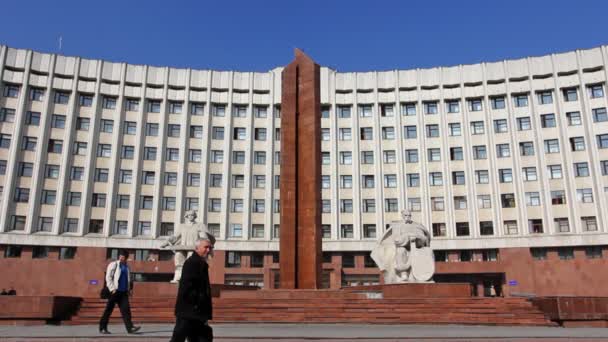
193	305
119	284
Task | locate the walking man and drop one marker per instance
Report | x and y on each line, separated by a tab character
193	305
119	284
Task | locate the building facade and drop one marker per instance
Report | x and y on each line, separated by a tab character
505	162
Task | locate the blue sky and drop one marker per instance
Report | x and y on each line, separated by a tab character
345	35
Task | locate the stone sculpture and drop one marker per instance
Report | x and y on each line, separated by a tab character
404	254
183	242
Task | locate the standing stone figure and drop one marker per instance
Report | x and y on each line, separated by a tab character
404	254
184	241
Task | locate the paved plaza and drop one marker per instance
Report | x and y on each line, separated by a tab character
310	332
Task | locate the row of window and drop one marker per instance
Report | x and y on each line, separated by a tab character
346	231
455	128
133	104
40	252
453	106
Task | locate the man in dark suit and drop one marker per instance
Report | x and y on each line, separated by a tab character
193	305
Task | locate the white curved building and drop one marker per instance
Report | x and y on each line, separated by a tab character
507	155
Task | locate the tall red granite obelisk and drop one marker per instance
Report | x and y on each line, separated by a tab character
300	229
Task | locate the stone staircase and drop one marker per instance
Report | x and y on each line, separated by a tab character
331	307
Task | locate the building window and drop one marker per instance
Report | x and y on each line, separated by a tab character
574	118
480	152
551	146
343	112
581	169
109	102
484	202
414	204
452	106
520	100
558	197
325	158
192	203
435	178
388	133
32	118
602	141
5	140
95	227
411	156
346	205
238	157
500	126
410	132
7	115
510	227
390	181
22	195
168	203
432	131
570	94
462	229
535	226
154	106
498	102
595	91
26	169
146	202
545	97
599	114
40	252
455	129
475	105
55	146
45	224
529	173
561	225
236	205
507	200
532	199
589	223
456	153
197	108
538	253
584	195
365	111
593	252
434	154
458	178
547	120
565	253
482	177
70	225
236	230
104	150
36	94
554	171
524	124
577	143
326	183
175	107
11	90
477	127
503	150
107	126
460	202
132	105
346	231
408	109
368	181
123	201
258	206
345	134
367	157
369	231
412	180
505	175
98	200
18	223
102	175
197	132
439	229
386	110
326	206
369	205
391	205
367	133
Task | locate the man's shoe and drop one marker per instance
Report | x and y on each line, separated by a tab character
133	330
104	331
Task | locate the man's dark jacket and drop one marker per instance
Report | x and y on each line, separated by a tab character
194	294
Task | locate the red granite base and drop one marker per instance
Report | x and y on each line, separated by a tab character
416	290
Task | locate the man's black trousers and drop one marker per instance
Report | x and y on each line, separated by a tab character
122	299
194	330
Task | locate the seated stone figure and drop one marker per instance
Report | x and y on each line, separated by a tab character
184	240
404	254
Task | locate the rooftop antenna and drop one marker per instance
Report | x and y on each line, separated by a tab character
60	43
